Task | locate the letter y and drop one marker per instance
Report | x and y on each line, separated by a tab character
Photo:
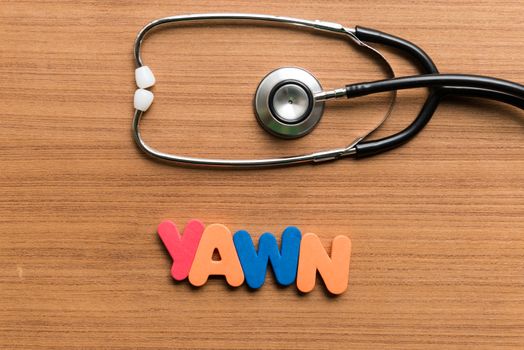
181	248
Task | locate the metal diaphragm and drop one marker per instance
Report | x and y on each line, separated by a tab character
285	104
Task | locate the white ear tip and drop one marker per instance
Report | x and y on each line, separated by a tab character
143	99
144	77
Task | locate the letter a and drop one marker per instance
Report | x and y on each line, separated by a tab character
217	237
334	270
182	249
255	264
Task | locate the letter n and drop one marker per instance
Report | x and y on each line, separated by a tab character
334	270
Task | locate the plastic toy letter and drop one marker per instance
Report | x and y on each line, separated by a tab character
334	270
217	237
182	249
255	265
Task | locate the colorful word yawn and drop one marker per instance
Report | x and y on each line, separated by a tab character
299	258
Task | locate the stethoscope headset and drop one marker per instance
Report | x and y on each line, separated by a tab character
289	102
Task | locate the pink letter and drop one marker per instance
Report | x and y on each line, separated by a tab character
182	249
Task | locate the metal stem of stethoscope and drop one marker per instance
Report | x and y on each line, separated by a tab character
284	121
233	163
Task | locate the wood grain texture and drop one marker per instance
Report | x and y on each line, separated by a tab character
437	225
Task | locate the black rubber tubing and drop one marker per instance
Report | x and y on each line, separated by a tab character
485	87
488	94
369	148
435	80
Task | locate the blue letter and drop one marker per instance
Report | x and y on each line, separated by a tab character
255	265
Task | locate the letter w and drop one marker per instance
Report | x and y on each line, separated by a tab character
255	265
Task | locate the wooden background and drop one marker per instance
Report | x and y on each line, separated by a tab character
437	226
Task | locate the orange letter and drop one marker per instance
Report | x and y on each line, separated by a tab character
217	237
313	257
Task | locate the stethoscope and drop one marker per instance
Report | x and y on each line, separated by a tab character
289	101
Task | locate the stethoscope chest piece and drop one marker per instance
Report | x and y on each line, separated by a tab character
285	103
